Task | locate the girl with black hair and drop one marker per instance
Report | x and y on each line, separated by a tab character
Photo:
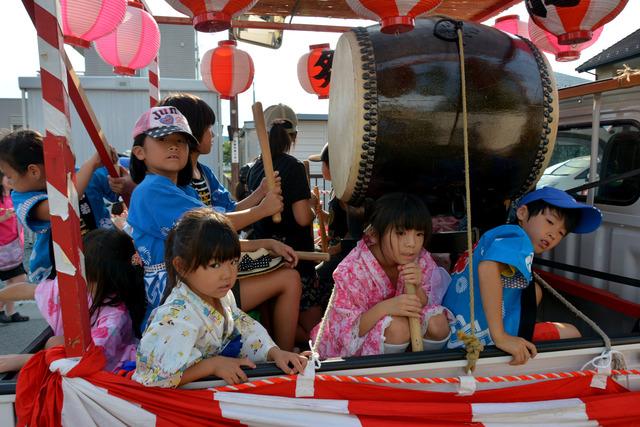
370	311
295	229
256	205
161	165
199	330
115	296
22	161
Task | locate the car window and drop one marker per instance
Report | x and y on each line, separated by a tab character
618	153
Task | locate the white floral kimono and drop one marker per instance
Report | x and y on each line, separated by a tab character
186	329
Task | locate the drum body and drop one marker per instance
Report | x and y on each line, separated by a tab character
395	115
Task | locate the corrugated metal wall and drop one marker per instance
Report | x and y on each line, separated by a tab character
117	103
312	135
177	55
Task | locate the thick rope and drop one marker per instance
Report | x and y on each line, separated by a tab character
471	343
617	361
323	322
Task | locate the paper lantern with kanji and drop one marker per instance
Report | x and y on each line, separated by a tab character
549	43
573	21
513	25
210	16
395	16
227	70
83	21
133	45
314	70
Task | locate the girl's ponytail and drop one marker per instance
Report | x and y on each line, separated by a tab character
279	140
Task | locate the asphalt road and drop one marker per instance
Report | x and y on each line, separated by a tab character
16	337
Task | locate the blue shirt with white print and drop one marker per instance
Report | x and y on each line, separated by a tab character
156	204
93	210
40	262
508	245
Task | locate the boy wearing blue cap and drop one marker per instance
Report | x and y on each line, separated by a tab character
502	273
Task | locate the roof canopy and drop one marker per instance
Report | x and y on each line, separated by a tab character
475	10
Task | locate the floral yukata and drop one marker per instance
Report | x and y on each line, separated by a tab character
360	284
111	327
185	330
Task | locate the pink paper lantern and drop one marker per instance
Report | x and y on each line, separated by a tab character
83	21
133	45
210	16
549	43
395	16
513	25
574	21
227	70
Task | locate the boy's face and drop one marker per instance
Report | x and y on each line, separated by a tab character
206	141
31	180
326	173
546	229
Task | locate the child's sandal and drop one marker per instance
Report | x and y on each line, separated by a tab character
17	317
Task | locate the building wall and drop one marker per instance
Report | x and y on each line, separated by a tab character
177	56
611	70
117	103
10	113
312	135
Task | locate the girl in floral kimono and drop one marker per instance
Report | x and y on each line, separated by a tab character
115	296
370	311
199	330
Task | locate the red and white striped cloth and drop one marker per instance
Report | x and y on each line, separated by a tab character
84	395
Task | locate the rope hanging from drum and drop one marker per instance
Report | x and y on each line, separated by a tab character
472	345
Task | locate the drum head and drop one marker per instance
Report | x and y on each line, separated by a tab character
345	111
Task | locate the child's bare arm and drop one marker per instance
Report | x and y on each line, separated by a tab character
227	368
491	293
41	211
18	292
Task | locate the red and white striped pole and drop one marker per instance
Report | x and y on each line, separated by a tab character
154	82
61	181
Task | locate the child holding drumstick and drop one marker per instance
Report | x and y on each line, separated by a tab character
369	311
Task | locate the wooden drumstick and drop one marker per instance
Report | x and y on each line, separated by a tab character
313	256
323	231
267	162
414	323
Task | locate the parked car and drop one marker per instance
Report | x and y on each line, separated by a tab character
566	175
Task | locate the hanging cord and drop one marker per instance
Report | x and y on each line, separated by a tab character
616	358
471	343
315	356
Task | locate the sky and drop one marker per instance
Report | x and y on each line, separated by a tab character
275	77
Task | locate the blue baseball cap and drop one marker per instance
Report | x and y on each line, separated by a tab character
590	216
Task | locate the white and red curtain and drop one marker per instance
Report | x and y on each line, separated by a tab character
85	395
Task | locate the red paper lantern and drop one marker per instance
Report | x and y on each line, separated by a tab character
210	16
84	21
549	43
133	45
227	70
573	21
314	70
395	16
513	25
